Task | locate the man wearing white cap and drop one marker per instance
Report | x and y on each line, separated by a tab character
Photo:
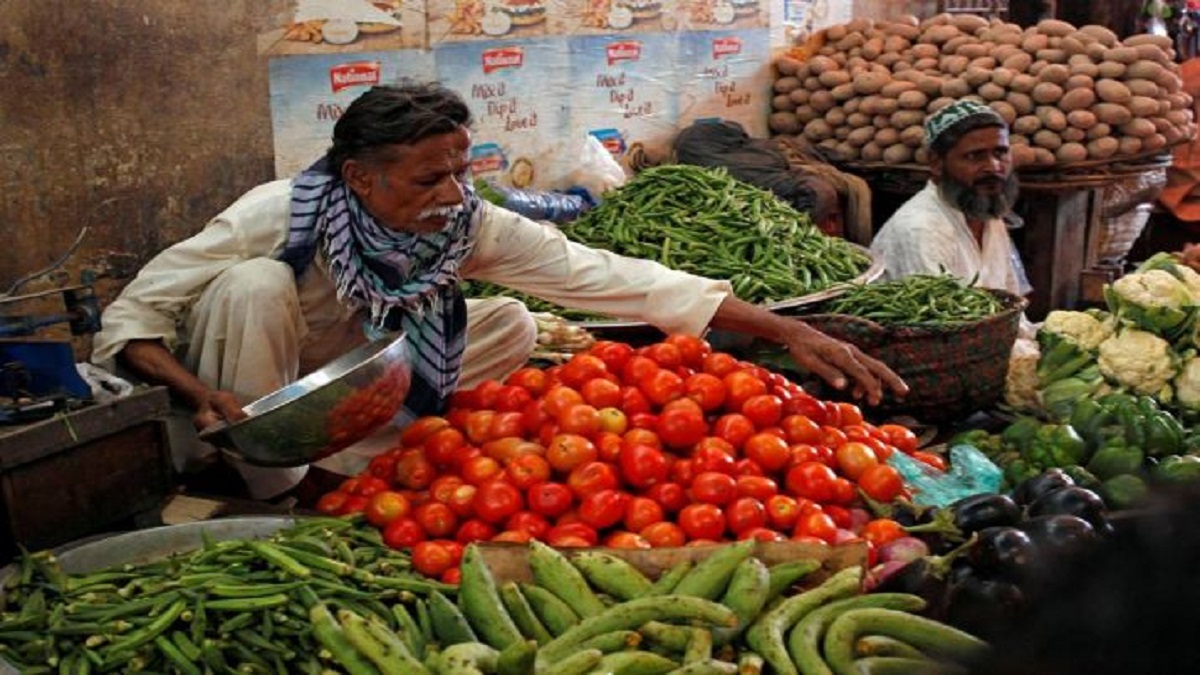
956	222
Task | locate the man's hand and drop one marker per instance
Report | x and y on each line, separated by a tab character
217	406
833	361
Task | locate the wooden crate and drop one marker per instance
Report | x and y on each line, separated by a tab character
87	472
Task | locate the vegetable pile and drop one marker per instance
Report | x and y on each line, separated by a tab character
916	300
861	90
230	606
703	221
660	446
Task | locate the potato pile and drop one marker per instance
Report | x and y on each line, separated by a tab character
1069	94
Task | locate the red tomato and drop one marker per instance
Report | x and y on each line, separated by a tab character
549	499
683	471
745	513
849	413
613	354
579	530
719	364
641	512
581	368
664	534
762	534
603	509
931	458
710	456
854	458
711	487
844	492
474	530
581	419
643	420
510	423
431	558
479	423
436	519
601	393
625	540
383	465
526	470
642	465
768	451
841	516
702	521
666	355
505	450
532	380
442	444
692	349
882	530
633	401
479	470
613	421
707	390
367	485
681	428
512	398
782	512
816	524
420	429
462	500
513	537
413	470
642	437
568	451
808	406
403	533
637	368
746	467
661	386
331	503
881	482
497	500
443	486
764	410
801	429
534	417
354	504
452	576
811	480
810	453
559	398
740	386
758	487
734	428
535	524
608	446
587	479
670	496
384	507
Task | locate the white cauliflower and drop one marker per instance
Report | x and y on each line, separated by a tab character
1140	361
1153	288
1191	279
1021	379
1187	384
1079	328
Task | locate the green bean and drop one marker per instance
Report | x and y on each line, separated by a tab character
916	300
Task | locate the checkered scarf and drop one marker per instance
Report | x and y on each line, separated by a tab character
406	281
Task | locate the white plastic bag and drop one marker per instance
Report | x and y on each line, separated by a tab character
597	170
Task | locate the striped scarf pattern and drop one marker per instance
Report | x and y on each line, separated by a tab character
405	281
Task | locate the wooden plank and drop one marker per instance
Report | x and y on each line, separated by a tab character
1056	226
38	440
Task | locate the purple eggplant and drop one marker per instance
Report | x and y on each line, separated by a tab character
1073	501
1030	489
1004	553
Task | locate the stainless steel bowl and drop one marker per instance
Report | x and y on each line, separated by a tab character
325	411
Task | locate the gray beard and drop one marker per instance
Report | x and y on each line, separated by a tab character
976	206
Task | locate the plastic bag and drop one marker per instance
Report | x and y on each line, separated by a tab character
557	207
597	171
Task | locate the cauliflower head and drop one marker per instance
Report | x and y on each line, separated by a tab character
1154	300
1021	379
1153	288
1140	361
1191	279
1079	328
1187	384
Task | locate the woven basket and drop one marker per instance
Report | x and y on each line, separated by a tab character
951	371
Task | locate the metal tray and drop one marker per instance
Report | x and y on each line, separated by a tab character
142	546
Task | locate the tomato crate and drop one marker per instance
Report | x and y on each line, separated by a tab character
90	471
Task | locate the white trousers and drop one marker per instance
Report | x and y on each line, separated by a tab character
248	334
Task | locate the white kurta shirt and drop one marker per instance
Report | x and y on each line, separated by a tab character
927	234
510	250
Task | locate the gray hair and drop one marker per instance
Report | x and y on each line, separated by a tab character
399	114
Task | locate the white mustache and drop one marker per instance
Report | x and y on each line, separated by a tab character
440	212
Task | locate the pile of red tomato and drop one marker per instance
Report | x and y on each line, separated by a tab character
671	444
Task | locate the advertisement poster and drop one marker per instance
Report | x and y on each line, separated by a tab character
518	94
609	17
725	75
309	94
799	19
344	26
720	14
623	95
474	20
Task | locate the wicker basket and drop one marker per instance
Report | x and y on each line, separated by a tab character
951	371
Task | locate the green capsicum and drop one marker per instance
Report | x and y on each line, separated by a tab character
1055	445
1020	433
1123	491
1082	477
1115	458
1178	468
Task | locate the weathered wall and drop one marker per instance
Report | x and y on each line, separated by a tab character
142	118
